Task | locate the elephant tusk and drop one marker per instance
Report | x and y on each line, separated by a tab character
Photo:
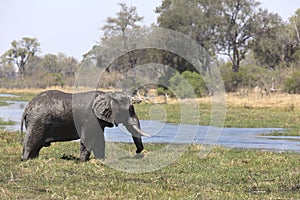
136	128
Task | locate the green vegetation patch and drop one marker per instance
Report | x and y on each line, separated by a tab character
5	123
20	96
3	103
222	174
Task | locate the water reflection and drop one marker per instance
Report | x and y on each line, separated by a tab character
165	133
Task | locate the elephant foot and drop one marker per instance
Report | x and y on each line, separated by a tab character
85	156
84	153
141	154
30	153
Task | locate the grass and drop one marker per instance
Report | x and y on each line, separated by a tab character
3	103
20	96
222	174
5	123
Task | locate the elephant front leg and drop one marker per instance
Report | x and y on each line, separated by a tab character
92	141
98	146
138	143
84	153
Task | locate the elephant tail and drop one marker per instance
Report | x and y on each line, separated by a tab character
22	123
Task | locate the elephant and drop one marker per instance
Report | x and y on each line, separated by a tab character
54	116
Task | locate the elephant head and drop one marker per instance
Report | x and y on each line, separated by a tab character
116	108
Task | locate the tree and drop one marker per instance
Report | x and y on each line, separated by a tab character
269	47
126	19
20	52
279	45
222	27
240	25
7	71
293	47
195	18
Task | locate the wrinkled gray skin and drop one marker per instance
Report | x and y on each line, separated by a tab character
52	116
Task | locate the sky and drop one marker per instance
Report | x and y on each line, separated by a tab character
73	26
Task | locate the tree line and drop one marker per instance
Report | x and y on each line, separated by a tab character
250	45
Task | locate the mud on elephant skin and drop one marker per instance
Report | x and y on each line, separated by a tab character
54	116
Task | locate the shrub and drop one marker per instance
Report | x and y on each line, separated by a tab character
248	77
188	85
291	84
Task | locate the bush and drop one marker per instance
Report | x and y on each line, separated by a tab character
188	85
248	77
291	84
162	90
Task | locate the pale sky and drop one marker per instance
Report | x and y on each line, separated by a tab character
73	26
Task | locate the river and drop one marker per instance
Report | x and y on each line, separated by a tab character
166	132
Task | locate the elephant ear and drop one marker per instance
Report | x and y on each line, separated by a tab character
102	108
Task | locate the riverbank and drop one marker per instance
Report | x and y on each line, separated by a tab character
242	111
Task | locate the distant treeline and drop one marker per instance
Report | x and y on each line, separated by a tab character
263	51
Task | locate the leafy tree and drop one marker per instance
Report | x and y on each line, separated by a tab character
127	18
51	64
269	47
293	45
195	18
222	27
7	71
125	21
280	44
240	25
20	52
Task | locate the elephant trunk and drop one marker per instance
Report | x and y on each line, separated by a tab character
136	135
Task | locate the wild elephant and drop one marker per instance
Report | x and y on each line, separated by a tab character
54	116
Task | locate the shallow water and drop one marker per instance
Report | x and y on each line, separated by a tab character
8	95
166	133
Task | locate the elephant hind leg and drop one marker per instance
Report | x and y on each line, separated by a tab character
32	144
84	153
30	153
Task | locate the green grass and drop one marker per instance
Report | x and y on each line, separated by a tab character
20	97
222	174
4	123
3	103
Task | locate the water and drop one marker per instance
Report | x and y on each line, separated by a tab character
8	95
229	137
166	132
13	112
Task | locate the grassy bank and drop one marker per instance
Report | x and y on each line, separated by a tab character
223	174
236	116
